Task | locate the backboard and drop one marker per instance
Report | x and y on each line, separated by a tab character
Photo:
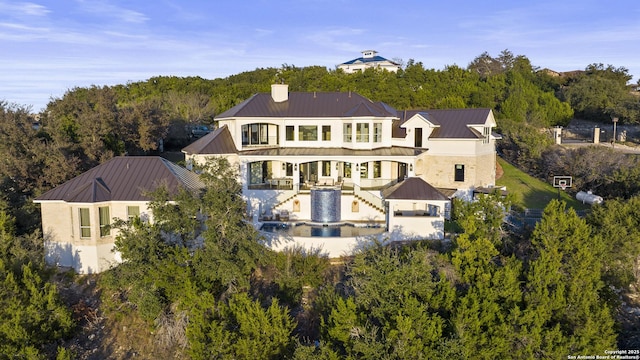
562	182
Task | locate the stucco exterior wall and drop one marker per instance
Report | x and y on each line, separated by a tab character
415	227
299	207
65	247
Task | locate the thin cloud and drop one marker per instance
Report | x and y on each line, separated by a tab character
106	9
23	8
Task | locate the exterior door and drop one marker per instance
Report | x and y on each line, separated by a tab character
402	171
418	137
309	171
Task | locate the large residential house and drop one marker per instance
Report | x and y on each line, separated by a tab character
369	59
76	216
314	161
338	157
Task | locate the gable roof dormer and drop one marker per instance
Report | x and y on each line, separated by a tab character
449	123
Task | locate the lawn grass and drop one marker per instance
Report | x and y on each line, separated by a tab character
532	193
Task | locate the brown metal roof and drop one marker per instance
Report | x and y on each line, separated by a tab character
309	104
299	151
124	178
216	142
413	188
453	123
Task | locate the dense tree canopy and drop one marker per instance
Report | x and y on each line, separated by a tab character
601	93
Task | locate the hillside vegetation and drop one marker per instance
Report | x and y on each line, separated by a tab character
532	193
488	293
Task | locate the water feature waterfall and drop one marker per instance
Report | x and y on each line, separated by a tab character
325	205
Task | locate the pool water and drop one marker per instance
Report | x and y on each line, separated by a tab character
312	230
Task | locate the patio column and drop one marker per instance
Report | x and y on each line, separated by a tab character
296	176
355	173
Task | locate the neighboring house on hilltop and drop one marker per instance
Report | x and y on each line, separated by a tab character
76	216
369	59
335	157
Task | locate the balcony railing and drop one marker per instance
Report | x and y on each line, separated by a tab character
415	213
273	184
345	184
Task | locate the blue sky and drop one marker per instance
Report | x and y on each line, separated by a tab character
49	47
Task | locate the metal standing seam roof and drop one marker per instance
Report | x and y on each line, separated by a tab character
413	188
219	141
309	105
452	123
124	178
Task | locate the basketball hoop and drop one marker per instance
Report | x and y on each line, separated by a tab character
562	184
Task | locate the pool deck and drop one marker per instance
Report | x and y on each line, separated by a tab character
331	246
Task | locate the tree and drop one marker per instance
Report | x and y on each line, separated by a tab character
239	329
32	163
564	311
485	65
484	218
31	313
396	308
489	296
617	222
602	93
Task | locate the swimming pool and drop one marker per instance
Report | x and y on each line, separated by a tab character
322	230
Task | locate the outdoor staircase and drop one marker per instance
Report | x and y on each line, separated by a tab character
371	201
287	199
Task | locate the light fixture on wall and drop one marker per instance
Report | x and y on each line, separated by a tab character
295	167
284	166
336	166
410	167
357	167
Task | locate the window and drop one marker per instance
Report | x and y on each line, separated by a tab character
255	134
347	170
459	174
326	168
105	221
307	133
264	134
486	131
377	132
85	223
347	132
326	132
133	212
364	171
377	169
289	169
362	132
290	132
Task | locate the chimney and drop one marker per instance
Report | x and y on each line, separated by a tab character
279	92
